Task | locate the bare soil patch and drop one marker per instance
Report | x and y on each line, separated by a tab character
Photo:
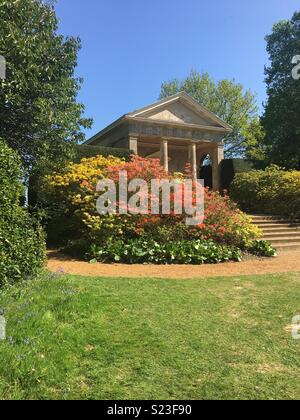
286	262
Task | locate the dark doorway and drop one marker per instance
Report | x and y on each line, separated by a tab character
206	171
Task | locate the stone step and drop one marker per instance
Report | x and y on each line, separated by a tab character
263	225
254	218
283	240
283	229
274	220
284	235
268	217
288	247
262	216
263	219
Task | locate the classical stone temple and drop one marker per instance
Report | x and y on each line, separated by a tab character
178	130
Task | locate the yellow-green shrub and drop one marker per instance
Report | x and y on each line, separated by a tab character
69	198
273	191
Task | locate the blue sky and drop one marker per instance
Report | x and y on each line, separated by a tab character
131	46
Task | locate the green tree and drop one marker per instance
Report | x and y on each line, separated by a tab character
281	119
39	113
226	99
256	150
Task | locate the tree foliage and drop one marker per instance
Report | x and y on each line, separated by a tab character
39	114
282	112
225	98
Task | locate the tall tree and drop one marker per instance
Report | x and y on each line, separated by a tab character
281	119
39	113
226	99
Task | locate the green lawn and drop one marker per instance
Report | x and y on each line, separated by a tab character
89	338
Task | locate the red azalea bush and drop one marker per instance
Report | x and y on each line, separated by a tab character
223	221
138	167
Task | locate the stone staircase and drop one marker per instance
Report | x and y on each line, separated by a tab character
284	235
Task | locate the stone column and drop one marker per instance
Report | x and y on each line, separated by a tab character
133	144
192	158
217	155
194	161
164	154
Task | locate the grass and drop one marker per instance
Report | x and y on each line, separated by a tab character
97	338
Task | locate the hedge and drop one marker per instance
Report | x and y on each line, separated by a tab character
22	244
230	168
87	151
273	191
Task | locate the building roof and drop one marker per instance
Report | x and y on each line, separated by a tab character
183	98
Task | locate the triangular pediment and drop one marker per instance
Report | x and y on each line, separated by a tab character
177	112
182	109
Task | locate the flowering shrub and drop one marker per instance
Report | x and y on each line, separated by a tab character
69	198
224	222
73	194
273	191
